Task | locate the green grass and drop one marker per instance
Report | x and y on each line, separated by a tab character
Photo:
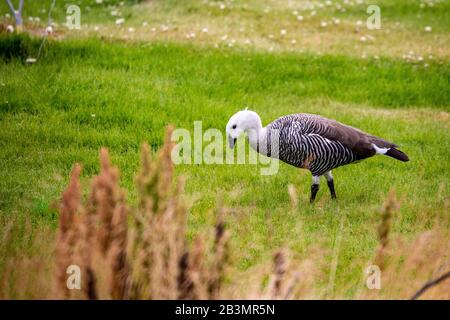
134	90
87	93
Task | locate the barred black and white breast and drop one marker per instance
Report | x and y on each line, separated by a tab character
320	144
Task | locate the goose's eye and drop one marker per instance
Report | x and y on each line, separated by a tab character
234	126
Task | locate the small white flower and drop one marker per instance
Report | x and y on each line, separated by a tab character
48	30
191	35
222	6
300	18
359	23
313	13
283	32
271	36
31	19
420	58
98	1
205	30
37	19
96	28
7	16
247	41
131	29
224	37
323	24
120	21
293	41
295	12
363	39
145	24
114	13
164	28
93	115
153	29
428	29
10	29
31	60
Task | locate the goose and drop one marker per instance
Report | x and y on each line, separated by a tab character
310	142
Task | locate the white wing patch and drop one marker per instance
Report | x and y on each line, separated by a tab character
380	150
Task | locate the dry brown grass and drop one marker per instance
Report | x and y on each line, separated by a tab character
407	265
150	260
253	27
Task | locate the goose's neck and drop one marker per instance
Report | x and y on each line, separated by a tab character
257	136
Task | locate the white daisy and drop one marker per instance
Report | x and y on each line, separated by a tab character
48	30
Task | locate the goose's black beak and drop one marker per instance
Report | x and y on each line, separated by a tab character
231	141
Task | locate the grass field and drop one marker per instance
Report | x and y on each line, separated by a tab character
117	88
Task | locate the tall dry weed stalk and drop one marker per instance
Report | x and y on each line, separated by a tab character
390	206
406	266
141	252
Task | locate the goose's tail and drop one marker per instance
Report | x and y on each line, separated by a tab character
397	154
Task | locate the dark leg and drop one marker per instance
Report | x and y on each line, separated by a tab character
331	187
314	188
330	183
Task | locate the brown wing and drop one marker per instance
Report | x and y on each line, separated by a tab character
358	141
